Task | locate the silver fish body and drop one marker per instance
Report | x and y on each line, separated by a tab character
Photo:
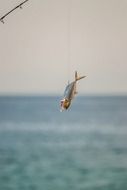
69	93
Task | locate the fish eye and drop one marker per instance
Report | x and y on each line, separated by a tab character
61	102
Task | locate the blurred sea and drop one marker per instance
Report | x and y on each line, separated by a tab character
84	148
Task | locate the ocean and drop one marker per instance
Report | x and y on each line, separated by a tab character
84	148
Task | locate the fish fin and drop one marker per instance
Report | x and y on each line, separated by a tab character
77	77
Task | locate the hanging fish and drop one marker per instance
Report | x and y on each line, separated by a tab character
69	93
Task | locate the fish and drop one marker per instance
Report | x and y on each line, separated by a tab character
69	93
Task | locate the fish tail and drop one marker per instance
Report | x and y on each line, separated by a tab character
77	77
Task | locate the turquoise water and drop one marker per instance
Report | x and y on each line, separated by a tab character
84	148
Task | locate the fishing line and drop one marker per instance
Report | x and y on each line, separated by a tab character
69	39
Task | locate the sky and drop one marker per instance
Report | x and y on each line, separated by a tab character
43	44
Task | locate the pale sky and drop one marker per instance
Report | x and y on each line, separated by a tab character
44	43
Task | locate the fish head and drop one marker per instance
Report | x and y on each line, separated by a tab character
64	104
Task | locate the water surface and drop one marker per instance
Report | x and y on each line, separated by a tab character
84	148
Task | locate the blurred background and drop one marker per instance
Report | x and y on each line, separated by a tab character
41	46
82	148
